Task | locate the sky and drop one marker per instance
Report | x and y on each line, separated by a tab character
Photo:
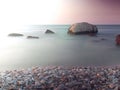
27	12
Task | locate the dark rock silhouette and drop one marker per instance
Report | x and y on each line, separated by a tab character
15	34
32	37
49	32
82	28
118	39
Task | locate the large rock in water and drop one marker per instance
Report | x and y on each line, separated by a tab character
82	28
118	39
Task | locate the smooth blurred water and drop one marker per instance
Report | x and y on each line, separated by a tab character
59	48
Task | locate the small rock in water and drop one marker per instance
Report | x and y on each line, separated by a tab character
49	32
15	34
32	37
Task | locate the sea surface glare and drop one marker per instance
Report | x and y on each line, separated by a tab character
59	48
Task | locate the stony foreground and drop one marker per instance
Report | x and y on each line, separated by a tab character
62	78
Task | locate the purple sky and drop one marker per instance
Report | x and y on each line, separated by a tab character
94	11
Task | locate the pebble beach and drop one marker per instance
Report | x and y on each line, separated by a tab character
62	78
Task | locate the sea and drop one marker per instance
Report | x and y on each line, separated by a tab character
59	48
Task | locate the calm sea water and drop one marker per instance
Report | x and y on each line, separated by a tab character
59	48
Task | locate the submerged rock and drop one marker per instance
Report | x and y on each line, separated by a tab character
103	39
99	40
92	34
118	39
15	34
49	32
32	37
82	28
96	41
